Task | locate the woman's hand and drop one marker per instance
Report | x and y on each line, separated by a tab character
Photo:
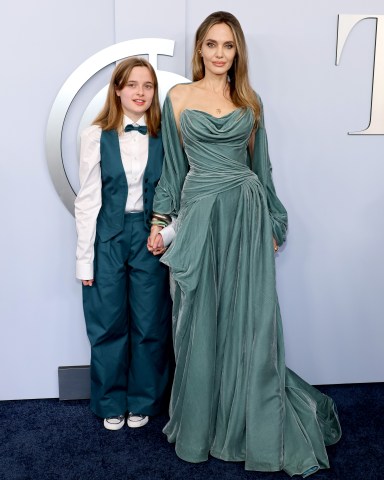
275	246
155	242
88	283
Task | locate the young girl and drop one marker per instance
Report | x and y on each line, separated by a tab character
125	288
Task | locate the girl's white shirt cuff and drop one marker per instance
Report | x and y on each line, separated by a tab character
84	271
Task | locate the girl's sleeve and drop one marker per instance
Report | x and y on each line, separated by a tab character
175	166
261	165
88	201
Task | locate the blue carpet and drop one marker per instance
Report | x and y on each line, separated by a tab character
52	440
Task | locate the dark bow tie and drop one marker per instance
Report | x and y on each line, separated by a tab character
139	128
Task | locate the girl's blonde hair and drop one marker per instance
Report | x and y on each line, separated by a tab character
111	115
241	92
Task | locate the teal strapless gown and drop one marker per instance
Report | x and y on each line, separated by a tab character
232	397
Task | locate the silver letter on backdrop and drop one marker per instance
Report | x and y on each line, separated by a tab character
345	25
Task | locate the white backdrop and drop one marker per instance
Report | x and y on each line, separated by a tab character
330	272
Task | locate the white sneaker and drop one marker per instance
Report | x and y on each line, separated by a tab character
114	423
135	420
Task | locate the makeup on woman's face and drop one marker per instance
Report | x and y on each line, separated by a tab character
218	49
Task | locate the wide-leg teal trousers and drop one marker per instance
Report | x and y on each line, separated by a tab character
128	318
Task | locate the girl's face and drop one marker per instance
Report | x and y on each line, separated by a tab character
136	96
218	49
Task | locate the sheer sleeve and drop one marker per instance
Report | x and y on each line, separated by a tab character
261	165
175	165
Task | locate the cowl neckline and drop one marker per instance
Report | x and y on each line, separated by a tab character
196	110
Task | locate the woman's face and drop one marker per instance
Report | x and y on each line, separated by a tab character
218	49
136	96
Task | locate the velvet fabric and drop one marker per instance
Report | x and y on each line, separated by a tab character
232	396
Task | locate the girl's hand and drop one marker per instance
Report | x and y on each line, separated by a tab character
158	245
88	283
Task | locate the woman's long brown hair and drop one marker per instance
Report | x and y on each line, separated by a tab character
241	92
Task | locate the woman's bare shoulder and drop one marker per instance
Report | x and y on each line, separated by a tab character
179	96
180	92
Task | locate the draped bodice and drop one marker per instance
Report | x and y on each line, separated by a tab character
216	142
216	148
213	158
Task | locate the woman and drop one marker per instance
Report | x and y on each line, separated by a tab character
125	288
232	396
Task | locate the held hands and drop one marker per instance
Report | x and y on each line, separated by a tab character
155	245
155	242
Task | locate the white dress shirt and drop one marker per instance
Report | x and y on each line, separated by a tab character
134	155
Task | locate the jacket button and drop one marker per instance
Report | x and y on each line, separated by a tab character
146	190
146	200
146	210
146	180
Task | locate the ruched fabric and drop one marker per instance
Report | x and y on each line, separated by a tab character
232	396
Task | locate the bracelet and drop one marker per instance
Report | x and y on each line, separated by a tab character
162	217
159	223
